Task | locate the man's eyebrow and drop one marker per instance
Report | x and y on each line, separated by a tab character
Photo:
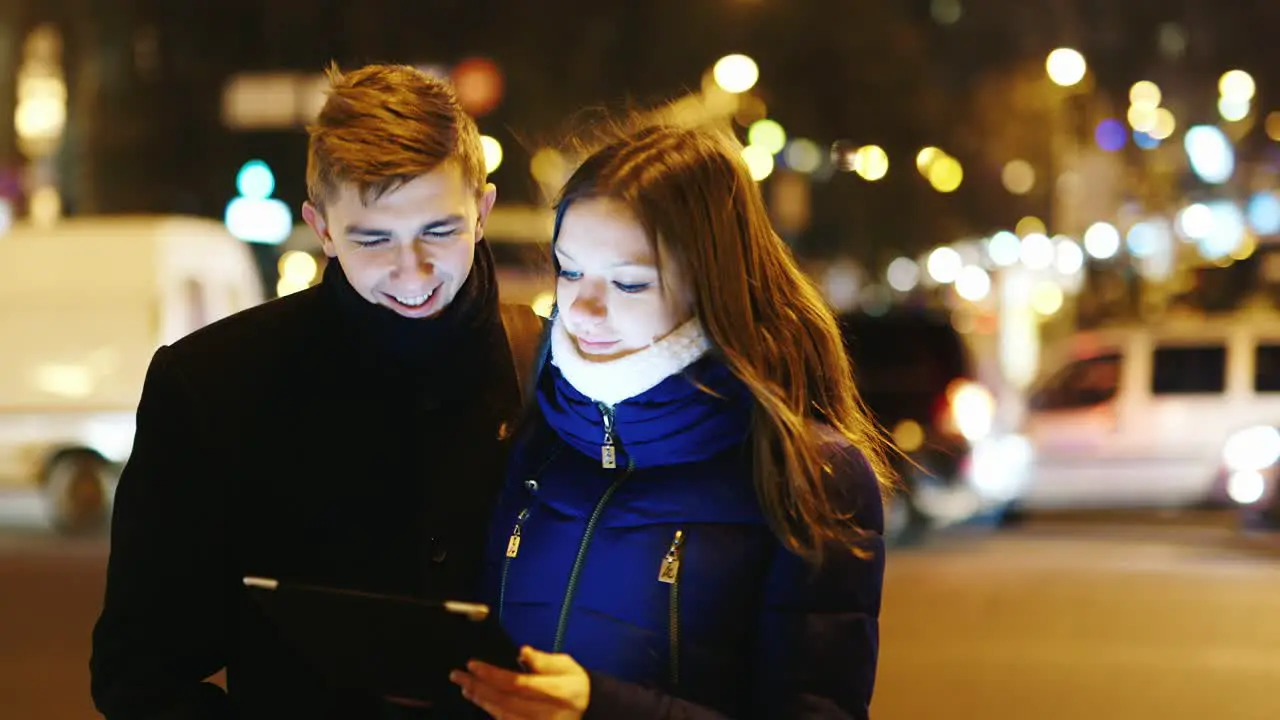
360	230
447	221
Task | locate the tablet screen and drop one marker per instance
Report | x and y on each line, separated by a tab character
396	647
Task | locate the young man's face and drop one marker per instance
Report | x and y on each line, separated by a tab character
411	249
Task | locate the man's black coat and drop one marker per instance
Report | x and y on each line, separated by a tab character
316	438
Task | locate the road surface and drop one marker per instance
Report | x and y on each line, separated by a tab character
1048	621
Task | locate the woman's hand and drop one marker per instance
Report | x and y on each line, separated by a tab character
554	688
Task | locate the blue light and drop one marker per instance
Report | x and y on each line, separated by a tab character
1111	135
1210	153
1228	230
259	220
1143	239
1145	141
1004	248
255	180
1264	213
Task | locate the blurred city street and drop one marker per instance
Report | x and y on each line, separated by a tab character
50	592
1083	620
1049	234
1086	616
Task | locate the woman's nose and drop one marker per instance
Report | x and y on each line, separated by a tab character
589	305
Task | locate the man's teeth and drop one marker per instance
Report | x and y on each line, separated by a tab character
414	300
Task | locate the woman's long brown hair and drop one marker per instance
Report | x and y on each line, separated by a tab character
694	195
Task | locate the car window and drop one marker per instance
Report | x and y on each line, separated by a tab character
1189	370
1081	384
1266	368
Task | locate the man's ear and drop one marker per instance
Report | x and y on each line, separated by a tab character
484	205
315	220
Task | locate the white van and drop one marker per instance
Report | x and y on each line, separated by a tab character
1139	416
83	306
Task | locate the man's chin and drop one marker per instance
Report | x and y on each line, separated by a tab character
414	316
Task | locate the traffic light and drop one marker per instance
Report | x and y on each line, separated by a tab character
254	216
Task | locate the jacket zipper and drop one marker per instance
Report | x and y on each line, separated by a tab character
608	459
513	549
608	453
669	573
513	542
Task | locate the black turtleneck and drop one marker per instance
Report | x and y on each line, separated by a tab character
468	326
435	391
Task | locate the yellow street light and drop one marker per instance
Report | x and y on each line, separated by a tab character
492	153
1146	93
759	162
1066	67
946	174
767	134
1166	123
1273	126
1143	118
926	158
298	267
1018	177
871	162
1237	86
1029	225
1046	298
735	73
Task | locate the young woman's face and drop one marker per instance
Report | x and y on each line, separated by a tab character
610	293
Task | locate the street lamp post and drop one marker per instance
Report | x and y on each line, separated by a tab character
1067	69
40	119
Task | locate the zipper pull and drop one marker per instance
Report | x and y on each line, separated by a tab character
608	453
669	572
513	542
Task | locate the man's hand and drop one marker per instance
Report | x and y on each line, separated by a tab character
554	688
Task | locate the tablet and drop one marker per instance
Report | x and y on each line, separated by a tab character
400	648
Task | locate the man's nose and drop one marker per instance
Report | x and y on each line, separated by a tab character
413	260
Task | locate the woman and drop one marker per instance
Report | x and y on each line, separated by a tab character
694	514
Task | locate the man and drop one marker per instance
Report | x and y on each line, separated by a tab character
348	435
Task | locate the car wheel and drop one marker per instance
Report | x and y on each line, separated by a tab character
1010	516
76	492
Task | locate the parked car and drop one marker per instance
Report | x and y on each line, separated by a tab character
916	375
1138	417
83	306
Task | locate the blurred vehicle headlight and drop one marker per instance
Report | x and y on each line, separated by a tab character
972	408
1254	448
998	467
1246	486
